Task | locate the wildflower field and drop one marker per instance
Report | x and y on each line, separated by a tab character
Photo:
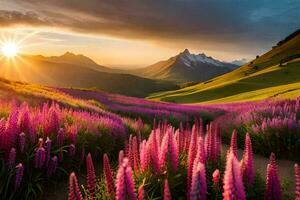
116	147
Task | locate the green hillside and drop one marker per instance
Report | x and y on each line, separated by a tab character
274	74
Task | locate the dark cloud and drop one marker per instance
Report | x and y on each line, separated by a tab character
223	21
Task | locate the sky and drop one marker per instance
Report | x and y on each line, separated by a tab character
136	33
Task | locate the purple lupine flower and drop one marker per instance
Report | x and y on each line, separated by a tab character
167	193
40	158
19	175
120	183
233	182
11	158
129	183
72	150
48	149
247	165
198	186
52	166
273	189
60	137
22	139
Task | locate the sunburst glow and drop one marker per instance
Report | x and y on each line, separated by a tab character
10	49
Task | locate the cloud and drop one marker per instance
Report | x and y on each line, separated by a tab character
194	22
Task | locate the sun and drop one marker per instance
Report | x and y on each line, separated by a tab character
10	49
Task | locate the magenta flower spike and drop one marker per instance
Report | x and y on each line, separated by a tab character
167	193
247	163
108	175
120	183
22	140
233	182
130	183
40	158
198	186
121	157
190	161
135	154
74	190
216	177
273	189
163	150
297	182
154	153
91	176
19	175
233	143
11	158
174	152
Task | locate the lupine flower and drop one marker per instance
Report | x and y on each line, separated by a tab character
167	193
11	158
121	157
91	176
52	166
216	177
191	156
108	175
144	158
154	153
19	175
273	189
174	152
72	150
198	186
247	162
74	190
22	139
163	150
233	143
60	137
48	149
233	182
297	182
124	182
40	157
135	153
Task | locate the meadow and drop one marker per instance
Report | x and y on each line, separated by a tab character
131	148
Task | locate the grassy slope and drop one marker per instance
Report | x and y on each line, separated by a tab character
257	80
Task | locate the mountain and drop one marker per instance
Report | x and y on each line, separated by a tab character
60	73
76	59
239	62
273	74
186	67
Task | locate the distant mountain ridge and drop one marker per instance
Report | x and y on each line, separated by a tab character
186	67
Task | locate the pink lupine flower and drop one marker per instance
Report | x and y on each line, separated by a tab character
74	190
60	137
198	186
121	157
154	153
233	143
135	153
190	161
247	162
11	158
22	139
40	158
144	160
297	182
174	152
120	183
129	183
167	193
48	149
91	176
216	177
19	175
108	175
72	150
163	151
11	129
233	182
52	166
141	192
273	189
